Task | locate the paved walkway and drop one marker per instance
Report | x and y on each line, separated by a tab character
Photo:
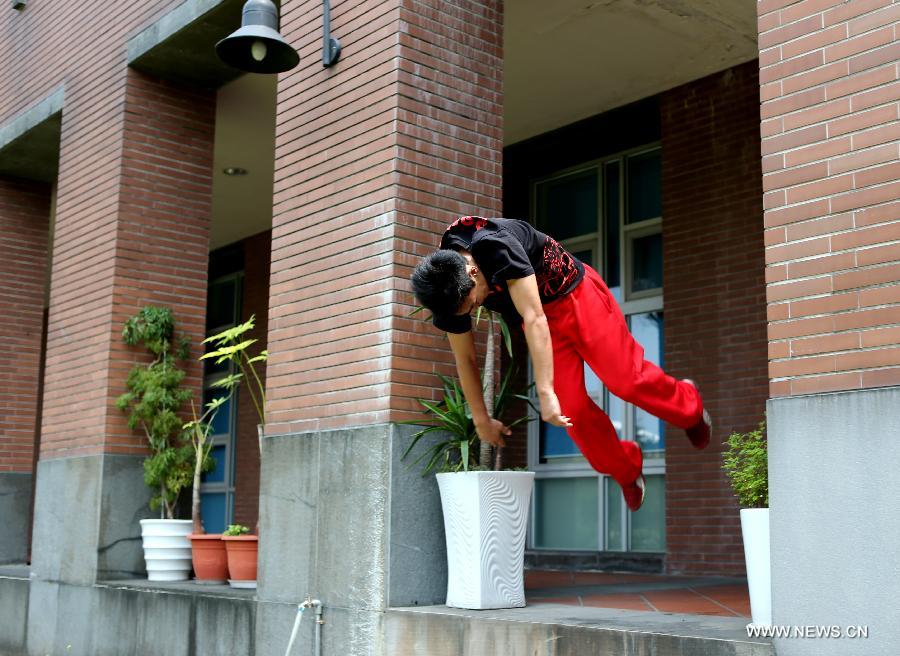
726	597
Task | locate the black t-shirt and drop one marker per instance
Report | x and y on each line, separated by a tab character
504	250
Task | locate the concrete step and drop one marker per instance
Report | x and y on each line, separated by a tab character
558	630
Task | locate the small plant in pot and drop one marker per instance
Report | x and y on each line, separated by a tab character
242	548
485	559
153	402
746	462
207	549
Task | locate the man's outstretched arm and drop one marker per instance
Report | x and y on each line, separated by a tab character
525	297
489	429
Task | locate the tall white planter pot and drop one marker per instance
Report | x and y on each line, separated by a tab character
167	548
485	520
755	530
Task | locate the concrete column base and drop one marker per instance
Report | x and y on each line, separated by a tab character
86	519
835	528
344	520
15	503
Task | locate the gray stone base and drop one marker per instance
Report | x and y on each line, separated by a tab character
835	523
86	519
551	630
15	505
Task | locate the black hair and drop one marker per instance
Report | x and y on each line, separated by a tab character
441	282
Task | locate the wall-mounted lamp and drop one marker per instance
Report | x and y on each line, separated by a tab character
258	47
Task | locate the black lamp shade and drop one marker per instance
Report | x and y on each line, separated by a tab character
259	25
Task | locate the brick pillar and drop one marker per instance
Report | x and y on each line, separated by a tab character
24	232
829	92
715	302
374	157
131	230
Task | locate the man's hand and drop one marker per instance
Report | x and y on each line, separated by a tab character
550	410
492	431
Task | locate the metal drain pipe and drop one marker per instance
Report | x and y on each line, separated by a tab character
309	603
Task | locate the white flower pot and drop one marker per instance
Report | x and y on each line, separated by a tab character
167	548
485	519
755	530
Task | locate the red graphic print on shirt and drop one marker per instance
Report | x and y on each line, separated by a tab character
469	222
559	270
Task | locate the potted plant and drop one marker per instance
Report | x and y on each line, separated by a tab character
484	558
207	549
153	401
241	548
746	463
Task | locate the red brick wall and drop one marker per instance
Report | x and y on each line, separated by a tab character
24	226
830	145
255	301
714	301
136	236
374	157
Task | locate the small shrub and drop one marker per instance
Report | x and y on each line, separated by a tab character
746	462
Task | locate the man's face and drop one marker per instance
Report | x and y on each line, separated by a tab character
479	292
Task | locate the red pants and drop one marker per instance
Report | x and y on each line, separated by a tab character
587	325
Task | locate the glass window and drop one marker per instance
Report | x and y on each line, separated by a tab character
646	262
222	421
615	538
644	187
649	431
556	443
213	506
221	304
648	524
217	473
567	206
567	510
611	220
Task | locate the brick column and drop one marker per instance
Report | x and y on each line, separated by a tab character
24	233
715	302
131	229
374	157
829	92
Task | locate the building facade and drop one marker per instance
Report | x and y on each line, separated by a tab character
732	175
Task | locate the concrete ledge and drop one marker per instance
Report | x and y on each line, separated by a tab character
180	45
29	143
13	614
556	630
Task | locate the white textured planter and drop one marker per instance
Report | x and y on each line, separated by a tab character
485	519
167	548
755	530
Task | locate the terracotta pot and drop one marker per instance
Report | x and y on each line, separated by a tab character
242	554
209	558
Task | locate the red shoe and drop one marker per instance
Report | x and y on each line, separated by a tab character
700	433
634	493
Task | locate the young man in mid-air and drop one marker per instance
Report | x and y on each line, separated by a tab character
569	317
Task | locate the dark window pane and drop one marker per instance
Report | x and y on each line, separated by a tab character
585	256
646	263
567	207
611	203
212	507
555	442
644	187
220	304
217	473
222	421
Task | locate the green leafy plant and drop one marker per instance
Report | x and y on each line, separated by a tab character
198	430
451	418
746	462
153	401
230	346
236	529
